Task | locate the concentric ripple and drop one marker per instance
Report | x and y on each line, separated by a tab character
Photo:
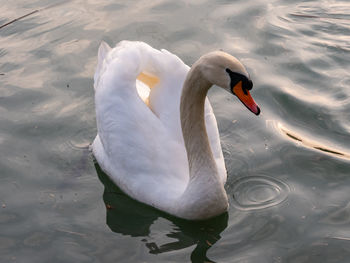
258	192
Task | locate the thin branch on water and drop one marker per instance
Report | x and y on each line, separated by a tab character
71	232
31	13
318	17
19	18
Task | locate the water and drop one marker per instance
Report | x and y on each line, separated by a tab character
288	169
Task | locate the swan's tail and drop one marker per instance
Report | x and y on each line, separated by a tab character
102	54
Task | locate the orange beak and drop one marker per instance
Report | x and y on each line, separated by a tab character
246	98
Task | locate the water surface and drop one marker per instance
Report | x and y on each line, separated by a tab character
288	169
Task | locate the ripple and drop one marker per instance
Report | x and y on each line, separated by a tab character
79	141
78	145
258	192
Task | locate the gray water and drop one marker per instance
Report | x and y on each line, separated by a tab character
288	169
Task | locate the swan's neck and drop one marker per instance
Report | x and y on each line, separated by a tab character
193	96
205	194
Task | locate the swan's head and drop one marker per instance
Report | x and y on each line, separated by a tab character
227	72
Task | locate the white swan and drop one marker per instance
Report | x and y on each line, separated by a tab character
157	134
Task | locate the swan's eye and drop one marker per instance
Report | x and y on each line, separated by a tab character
235	77
247	84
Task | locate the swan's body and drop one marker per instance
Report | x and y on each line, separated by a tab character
156	155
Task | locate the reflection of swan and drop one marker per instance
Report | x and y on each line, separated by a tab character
128	217
140	143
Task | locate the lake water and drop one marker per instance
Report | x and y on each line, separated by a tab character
288	169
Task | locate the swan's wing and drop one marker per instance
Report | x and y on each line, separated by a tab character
133	146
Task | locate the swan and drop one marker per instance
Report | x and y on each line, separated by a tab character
157	136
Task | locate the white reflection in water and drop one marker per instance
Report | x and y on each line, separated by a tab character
316	145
